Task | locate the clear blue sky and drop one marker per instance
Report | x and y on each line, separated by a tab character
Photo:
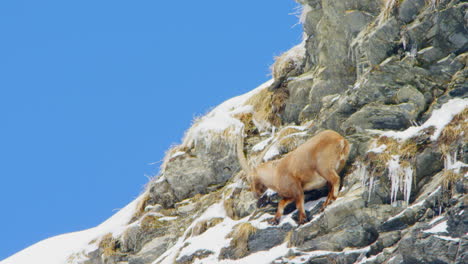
93	92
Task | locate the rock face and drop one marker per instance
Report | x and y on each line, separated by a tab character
364	67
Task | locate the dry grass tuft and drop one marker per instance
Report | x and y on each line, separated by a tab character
287	131
433	3
449	177
455	132
229	208
288	144
282	66
288	238
108	245
288	63
408	149
379	160
267	105
204	225
387	10
247	120
140	208
391	143
150	222
240	236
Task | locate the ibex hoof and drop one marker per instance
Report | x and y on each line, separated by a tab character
273	221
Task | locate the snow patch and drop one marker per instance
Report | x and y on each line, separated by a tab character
59	249
318	253
294	57
439	119
258	257
271	153
448	238
177	154
379	149
262	145
451	163
221	118
439	228
167	218
435	220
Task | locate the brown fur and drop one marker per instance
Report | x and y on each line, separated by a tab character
312	165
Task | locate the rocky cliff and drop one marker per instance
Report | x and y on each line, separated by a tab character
388	75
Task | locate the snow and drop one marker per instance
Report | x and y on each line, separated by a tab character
274	152
435	220
215	238
269	192
177	154
167	218
216	210
258	257
451	163
335	98
58	249
439	228
262	145
271	153
439	119
221	118
305	9
317	253
300	128
365	259
378	149
448	238
293	56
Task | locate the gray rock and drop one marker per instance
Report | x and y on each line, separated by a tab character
448	66
416	247
430	55
409	94
199	254
394	117
162	193
265	239
352	236
409	9
299	90
381	42
240	203
210	165
428	163
385	240
151	250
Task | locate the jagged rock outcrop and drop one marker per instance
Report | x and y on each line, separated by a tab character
364	67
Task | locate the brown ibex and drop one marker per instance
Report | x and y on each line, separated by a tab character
310	166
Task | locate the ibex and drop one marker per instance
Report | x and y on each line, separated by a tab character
310	166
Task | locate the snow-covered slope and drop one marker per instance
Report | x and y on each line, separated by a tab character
71	247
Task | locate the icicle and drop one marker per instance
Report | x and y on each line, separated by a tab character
371	187
394	175
401	179
408	171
